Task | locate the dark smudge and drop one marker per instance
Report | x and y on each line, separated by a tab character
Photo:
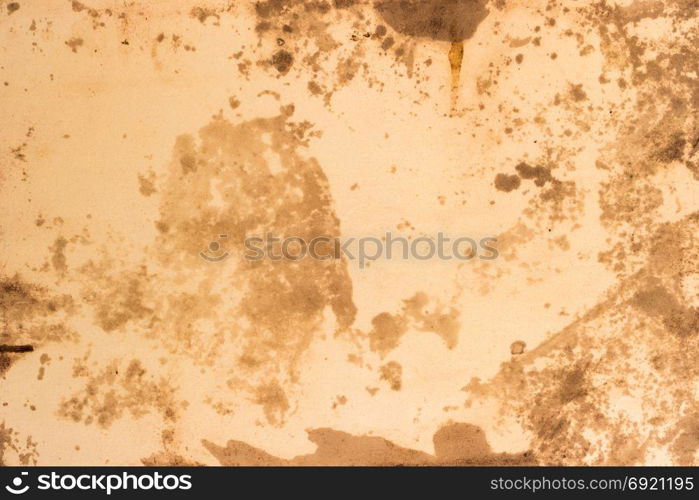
444	20
454	443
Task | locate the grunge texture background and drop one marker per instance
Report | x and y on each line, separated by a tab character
136	133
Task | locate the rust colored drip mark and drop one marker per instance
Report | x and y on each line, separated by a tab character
16	348
456	57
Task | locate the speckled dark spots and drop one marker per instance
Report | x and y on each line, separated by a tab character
655	300
573	385
392	372
314	88
282	60
202	13
113	392
541	175
74	43
269	8
577	92
673	149
686	445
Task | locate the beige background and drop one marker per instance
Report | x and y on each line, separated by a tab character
134	134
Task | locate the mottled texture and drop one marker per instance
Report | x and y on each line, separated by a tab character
146	144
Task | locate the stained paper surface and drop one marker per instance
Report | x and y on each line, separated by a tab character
145	144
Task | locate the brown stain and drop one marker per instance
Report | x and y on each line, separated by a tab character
452	21
245	176
5	440
169	455
58	259
392	373
517	347
24	450
650	306
146	184
461	442
4	348
507	183
540	175
430	316
282	60
74	43
340	400
454	443
656	301
573	384
282	304
641	336
686	444
273	400
203	13
442	20
556	202
330	59
168	459
290	21
577	93
456	58
5	362
654	130
31	316
118	297
118	390
386	333
418	313
314	88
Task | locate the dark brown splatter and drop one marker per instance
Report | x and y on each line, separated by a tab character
282	60
445	20
74	43
507	183
541	175
392	372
